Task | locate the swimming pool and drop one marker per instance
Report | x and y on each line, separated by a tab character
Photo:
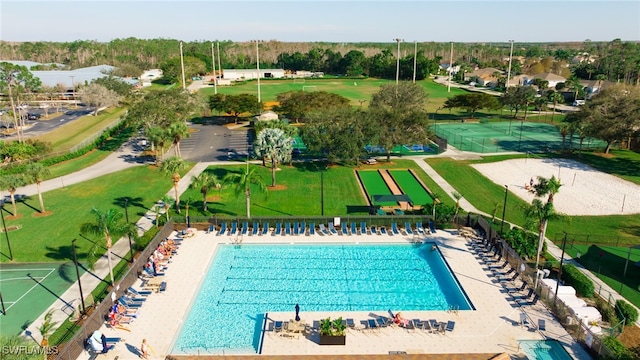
244	282
544	350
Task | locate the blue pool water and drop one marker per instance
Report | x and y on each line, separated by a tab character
544	350
244	282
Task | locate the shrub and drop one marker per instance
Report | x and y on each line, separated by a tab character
607	311
574	277
618	350
525	243
629	312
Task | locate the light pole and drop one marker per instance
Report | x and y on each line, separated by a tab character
219	66
504	208
184	85
564	242
398	61
213	64
6	233
258	65
450	68
415	55
75	261
126	215
509	71
73	91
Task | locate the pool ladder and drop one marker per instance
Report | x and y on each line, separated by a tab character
453	309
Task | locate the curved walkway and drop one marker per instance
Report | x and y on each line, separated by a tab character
126	157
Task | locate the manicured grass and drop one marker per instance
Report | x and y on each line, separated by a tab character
67	136
410	186
623	163
374	184
342	194
48	238
484	195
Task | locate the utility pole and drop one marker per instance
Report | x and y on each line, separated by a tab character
415	56
213	64
75	261
398	61
506	86
219	66
450	68
258	65
184	85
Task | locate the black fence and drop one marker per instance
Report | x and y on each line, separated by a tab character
73	348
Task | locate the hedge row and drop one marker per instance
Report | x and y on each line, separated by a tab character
583	285
629	312
620	352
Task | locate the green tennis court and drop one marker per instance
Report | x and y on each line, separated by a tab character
508	136
410	186
29	289
374	185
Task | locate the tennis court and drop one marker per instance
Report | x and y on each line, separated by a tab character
29	289
410	186
374	185
507	136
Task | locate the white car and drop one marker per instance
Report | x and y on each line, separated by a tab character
578	102
22	107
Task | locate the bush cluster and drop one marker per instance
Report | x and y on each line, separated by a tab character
524	243
607	311
629	312
620	352
583	285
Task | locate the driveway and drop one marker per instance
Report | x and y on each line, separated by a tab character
210	142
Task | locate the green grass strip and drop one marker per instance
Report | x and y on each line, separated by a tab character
410	186
375	185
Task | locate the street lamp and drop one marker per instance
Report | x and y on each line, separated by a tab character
75	261
509	71
6	233
415	55
184	85
504	208
398	61
213	64
564	242
126	215
258	65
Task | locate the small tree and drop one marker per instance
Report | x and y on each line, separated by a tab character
275	145
204	183
11	183
47	327
242	184
34	173
172	167
98	96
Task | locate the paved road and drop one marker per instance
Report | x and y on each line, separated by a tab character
39	127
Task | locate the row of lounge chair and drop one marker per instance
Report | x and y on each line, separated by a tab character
301	228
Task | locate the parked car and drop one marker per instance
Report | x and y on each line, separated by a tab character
33	116
22	107
578	102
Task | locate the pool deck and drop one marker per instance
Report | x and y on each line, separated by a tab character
492	328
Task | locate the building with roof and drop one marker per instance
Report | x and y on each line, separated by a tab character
552	78
249	74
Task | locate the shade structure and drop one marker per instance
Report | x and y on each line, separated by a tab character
391	198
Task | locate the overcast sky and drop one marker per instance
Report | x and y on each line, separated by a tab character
327	20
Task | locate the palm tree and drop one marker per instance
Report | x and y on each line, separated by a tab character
46	328
157	137
542	213
108	225
204	182
574	84
276	145
601	78
167	203
172	167
242	184
176	132
555	97
34	172
564	129
11	183
456	195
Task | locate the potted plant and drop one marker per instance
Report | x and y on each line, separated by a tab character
332	332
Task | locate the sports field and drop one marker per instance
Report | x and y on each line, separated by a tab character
29	289
410	186
374	185
507	136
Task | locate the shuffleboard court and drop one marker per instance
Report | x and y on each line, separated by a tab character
374	185
410	186
29	289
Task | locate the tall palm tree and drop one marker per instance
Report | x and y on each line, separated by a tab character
172	166
574	84
457	196
34	172
176	132
157	137
107	224
204	182
555	97
242	184
11	183
542	213
564	129
167	203
275	145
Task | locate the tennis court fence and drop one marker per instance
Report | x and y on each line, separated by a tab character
73	348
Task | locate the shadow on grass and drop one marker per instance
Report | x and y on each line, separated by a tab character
358	209
213	120
600	260
625	164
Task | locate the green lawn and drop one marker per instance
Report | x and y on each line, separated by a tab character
411	187
374	184
301	195
48	238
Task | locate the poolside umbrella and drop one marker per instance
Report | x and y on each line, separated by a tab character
297	312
